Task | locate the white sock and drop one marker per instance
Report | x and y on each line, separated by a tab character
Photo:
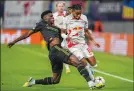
91	83
33	82
92	66
89	65
89	71
66	66
95	66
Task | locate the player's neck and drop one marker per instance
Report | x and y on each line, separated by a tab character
60	12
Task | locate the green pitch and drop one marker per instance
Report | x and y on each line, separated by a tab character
24	61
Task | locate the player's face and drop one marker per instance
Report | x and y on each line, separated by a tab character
76	14
60	7
49	18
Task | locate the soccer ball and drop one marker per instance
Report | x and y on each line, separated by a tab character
100	82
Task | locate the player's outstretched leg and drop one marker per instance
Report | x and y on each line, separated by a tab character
91	60
57	67
45	81
81	67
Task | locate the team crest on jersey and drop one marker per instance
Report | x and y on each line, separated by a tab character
77	28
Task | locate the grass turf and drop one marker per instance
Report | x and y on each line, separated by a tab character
23	61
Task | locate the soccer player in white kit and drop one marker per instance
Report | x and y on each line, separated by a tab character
76	26
58	21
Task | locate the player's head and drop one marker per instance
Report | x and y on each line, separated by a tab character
76	11
69	10
47	16
60	6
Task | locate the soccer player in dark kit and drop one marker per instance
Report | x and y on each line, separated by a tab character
57	55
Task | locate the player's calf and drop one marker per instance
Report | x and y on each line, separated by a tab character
46	81
81	67
49	80
92	61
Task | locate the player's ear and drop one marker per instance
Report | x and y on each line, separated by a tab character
44	17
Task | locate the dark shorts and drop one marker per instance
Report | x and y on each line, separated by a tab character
58	56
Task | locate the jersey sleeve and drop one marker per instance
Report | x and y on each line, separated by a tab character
64	23
86	20
37	28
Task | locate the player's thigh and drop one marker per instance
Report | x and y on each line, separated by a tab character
62	54
57	67
86	52
56	63
88	55
74	61
92	58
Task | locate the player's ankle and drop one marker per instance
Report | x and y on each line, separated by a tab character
91	84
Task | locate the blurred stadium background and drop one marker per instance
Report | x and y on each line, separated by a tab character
111	22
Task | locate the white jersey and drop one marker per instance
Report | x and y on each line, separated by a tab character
75	28
58	19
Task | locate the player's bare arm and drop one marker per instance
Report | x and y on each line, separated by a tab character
90	38
24	36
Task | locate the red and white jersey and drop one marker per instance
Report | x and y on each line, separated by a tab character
59	18
75	28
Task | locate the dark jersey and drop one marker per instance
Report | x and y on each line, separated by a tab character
48	32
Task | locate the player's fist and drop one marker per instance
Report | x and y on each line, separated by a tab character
10	44
97	44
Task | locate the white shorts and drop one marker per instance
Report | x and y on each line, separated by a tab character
81	51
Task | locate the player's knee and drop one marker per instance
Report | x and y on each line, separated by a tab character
73	61
92	61
56	82
84	61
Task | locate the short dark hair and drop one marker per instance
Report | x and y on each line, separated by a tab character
69	7
76	7
45	13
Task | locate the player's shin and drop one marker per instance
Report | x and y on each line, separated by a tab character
90	72
49	80
87	74
84	72
45	81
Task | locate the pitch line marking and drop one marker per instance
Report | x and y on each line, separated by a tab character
98	71
114	76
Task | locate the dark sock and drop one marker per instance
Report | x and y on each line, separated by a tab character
84	73
45	81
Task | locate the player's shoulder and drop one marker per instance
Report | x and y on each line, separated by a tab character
41	23
68	16
55	13
83	16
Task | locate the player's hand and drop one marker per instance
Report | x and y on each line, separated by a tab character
97	44
10	44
